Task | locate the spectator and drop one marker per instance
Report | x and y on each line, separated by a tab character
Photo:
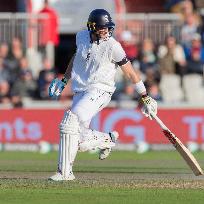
148	60
171	57
46	75
196	45
188	30
173	5
188	9
4	72
16	101
25	86
154	92
202	30
4	92
23	66
152	77
17	48
127	94
15	54
195	55
195	65
4	51
49	35
16	73
129	45
147	56
183	7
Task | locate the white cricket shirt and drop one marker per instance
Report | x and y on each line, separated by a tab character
95	65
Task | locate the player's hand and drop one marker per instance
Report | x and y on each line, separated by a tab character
56	87
149	106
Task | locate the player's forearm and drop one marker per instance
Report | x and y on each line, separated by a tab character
68	71
129	73
134	77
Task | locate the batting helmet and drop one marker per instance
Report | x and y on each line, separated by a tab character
100	18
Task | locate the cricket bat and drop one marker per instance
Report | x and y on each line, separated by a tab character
180	147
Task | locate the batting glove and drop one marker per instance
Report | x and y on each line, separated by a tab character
149	106
56	87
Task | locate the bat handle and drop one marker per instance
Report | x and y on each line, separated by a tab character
158	120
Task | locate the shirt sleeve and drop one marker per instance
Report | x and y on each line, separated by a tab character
119	55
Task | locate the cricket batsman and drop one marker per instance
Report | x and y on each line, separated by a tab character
92	70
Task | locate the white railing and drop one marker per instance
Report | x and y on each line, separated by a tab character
154	26
151	25
22	25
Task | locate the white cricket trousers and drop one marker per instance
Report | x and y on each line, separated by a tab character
88	103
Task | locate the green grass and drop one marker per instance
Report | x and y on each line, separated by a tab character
80	195
125	177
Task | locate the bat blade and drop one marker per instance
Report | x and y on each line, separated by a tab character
184	152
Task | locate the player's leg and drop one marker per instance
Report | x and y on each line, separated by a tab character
89	105
93	139
68	146
105	152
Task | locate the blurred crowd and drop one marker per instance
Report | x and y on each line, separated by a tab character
151	60
16	77
174	57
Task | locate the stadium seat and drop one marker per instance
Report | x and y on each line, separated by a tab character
193	88
170	87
